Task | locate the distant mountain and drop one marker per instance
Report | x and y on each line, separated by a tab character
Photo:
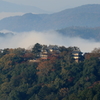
11	7
7	34
84	16
83	32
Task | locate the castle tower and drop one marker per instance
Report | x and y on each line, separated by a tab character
77	55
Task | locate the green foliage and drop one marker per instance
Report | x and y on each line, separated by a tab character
37	49
58	78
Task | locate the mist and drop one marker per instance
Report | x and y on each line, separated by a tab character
9	14
28	39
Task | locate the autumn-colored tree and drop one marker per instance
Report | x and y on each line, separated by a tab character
94	53
44	68
28	56
63	92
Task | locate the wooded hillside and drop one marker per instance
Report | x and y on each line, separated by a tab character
57	78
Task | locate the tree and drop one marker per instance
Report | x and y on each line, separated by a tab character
44	68
97	96
15	95
44	91
37	49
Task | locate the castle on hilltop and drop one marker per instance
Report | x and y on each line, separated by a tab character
77	54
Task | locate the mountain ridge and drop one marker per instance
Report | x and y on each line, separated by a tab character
84	16
83	32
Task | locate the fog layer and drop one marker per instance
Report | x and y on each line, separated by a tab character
27	39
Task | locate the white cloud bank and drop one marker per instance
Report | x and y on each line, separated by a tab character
26	39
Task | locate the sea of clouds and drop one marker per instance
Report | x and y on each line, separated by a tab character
28	39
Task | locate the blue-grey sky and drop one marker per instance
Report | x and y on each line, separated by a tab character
27	39
54	5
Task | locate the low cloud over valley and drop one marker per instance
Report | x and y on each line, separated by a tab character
27	39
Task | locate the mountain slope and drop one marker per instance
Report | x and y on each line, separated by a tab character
87	15
83	32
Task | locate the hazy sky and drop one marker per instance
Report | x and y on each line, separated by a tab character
54	5
27	39
7	14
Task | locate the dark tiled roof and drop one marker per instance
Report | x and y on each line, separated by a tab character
77	52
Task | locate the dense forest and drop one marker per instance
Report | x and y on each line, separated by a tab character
57	78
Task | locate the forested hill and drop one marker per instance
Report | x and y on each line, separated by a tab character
86	15
83	32
58	78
